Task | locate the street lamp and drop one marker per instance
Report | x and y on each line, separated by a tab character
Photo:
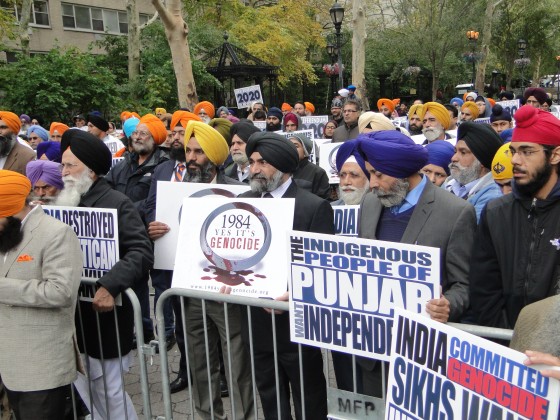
558	80
337	16
332	51
495	83
521	47
472	36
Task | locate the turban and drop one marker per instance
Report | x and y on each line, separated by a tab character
40	131
348	151
392	153
98	122
125	115
472	95
539	94
161	111
344	93
222	126
207	106
387	102
310	107
457	101
156	127
506	135
305	141
14	189
244	130
182	118
481	139
502	168
286	107
91	151
396	101
135	115
291	117
472	107
58	126
499	114
130	125
275	149
439	112
213	143
492	101
440	153
25	118
12	121
51	149
336	103
232	119
351	87
222	109
536	126
417	109
275	112
46	171
374	120
506	94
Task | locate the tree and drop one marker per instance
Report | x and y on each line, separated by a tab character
359	52
485	41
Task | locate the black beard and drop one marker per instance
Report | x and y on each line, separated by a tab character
273	127
6	145
541	178
414	131
11	236
203	174
177	153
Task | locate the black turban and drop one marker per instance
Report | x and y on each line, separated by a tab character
243	129
99	122
89	149
499	114
483	141
275	149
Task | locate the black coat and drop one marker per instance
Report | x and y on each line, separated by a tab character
312	178
135	260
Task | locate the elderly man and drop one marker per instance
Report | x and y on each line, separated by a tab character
470	165
46	181
439	157
98	127
13	155
85	159
205	111
415	124
309	176
386	107
36	135
240	133
435	120
40	269
354	180
515	257
469	111
350	114
273	159
535	96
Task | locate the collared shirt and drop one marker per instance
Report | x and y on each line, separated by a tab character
280	191
458	189
175	171
411	198
243	174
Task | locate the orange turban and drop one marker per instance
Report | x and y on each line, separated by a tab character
472	107
492	102
396	101
182	118
417	109
286	107
439	111
12	121
156	127
207	106
58	126
14	188
310	107
134	114
210	140
387	102
125	115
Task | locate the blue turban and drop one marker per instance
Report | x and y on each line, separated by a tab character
392	153
51	149
275	112
130	125
506	135
440	153
350	148
458	100
40	131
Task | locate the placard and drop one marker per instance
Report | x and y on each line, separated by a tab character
343	291
113	144
346	220
246	96
482	120
169	206
316	123
116	160
400	122
314	157
440	372
234	242
261	125
511	106
327	161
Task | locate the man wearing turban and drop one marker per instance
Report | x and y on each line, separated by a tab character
85	159
502	169
439	157
56	131
415	117
273	159
40	266
240	133
36	134
535	96
13	155
469	111
515	260
205	110
98	126
435	121
374	121
500	120
386	107
274	119
46	181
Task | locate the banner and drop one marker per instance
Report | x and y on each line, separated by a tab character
482	120
400	122
343	291
346	220
316	123
438	371
317	143
113	144
261	125
327	160
512	106
246	96
169	206
234	242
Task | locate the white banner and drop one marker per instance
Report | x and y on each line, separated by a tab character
327	161
511	106
246	96
316	123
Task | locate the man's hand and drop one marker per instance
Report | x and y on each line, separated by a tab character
283	298
538	358
157	229
438	309
103	301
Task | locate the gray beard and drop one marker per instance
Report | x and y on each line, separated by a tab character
432	134
7	144
240	159
74	188
395	195
260	183
355	196
142	149
203	174
465	175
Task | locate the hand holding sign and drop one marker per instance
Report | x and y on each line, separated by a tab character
157	229
103	301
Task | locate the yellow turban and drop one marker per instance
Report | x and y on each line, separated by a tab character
58	126
213	143
14	188
182	118
161	111
310	107
156	127
387	102
502	168
439	111
207	106
12	121
376	121
417	109
472	107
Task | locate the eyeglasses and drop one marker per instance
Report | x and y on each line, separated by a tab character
34	138
524	153
68	166
142	133
347	111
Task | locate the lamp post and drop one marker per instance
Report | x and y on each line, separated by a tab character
472	36
337	16
332	51
558	80
495	84
521	47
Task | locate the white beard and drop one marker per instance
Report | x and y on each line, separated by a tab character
353	197
432	133
74	188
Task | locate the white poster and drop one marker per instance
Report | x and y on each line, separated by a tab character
327	161
316	123
246	96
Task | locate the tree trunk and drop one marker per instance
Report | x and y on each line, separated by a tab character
359	52
133	40
24	27
537	70
177	31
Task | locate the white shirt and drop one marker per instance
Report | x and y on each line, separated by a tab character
281	190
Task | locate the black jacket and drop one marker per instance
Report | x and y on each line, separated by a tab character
135	260
312	178
514	262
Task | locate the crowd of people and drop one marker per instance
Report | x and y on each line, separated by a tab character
486	193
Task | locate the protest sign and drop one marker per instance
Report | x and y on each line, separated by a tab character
169	206
234	242
346	220
400	121
314	157
116	160
343	290
327	161
438	371
246	96
316	123
511	106
482	120
113	143
261	125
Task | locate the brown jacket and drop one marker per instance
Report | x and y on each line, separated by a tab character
18	158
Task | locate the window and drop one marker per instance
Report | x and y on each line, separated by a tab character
95	19
39	11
